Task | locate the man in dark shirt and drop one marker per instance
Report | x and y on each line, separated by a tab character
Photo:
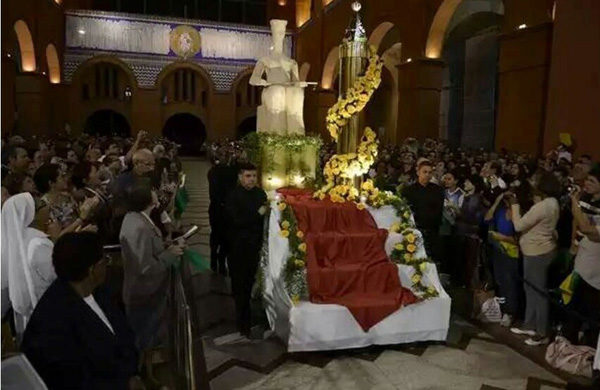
246	207
427	203
222	178
76	339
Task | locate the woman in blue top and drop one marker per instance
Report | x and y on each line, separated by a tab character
505	257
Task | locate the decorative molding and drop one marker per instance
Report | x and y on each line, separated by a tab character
147	68
115	32
169	20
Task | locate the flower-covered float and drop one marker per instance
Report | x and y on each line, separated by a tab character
344	265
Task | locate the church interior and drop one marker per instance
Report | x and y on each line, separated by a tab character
484	85
479	73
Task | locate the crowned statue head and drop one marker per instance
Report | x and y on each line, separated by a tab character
278	33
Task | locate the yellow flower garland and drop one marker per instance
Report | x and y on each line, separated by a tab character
295	266
346	167
356	97
404	252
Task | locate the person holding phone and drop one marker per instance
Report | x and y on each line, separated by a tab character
146	264
538	242
246	207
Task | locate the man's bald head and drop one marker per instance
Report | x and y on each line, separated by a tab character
143	162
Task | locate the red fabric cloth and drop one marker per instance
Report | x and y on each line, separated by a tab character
346	259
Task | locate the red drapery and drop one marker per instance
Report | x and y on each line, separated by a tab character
346	260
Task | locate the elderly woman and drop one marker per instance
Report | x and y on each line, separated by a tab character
65	214
27	269
146	264
538	244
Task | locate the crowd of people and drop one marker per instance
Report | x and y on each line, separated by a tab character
67	204
505	221
510	222
514	222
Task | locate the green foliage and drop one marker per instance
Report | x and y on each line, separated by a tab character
255	145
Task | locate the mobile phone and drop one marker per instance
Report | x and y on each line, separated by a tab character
193	230
112	248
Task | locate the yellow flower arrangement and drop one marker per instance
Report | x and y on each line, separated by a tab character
416	278
356	97
281	206
343	168
404	253
295	266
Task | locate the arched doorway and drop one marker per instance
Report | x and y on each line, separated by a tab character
470	51
26	48
53	64
107	123
186	130
246	127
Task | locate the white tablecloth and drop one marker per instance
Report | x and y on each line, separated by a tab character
311	327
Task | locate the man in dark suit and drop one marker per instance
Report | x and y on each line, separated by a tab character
246	207
221	180
76	339
427	203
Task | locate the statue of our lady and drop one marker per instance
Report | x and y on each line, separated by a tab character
283	96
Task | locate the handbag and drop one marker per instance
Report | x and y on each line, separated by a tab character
490	310
575	359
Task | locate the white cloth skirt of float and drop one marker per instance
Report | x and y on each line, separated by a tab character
313	327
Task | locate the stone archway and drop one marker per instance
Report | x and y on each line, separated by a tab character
246	126
185	88
107	123
53	64
187	130
247	98
304	71
384	36
330	68
101	83
440	26
26	47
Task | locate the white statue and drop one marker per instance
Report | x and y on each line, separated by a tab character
283	96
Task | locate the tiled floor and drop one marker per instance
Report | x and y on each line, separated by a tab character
470	359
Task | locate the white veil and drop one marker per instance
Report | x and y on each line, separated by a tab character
17	214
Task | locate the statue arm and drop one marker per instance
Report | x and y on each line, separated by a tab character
295	73
257	73
296	76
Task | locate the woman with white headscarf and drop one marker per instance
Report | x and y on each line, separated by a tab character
27	268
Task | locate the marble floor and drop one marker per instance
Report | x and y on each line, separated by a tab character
470	359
